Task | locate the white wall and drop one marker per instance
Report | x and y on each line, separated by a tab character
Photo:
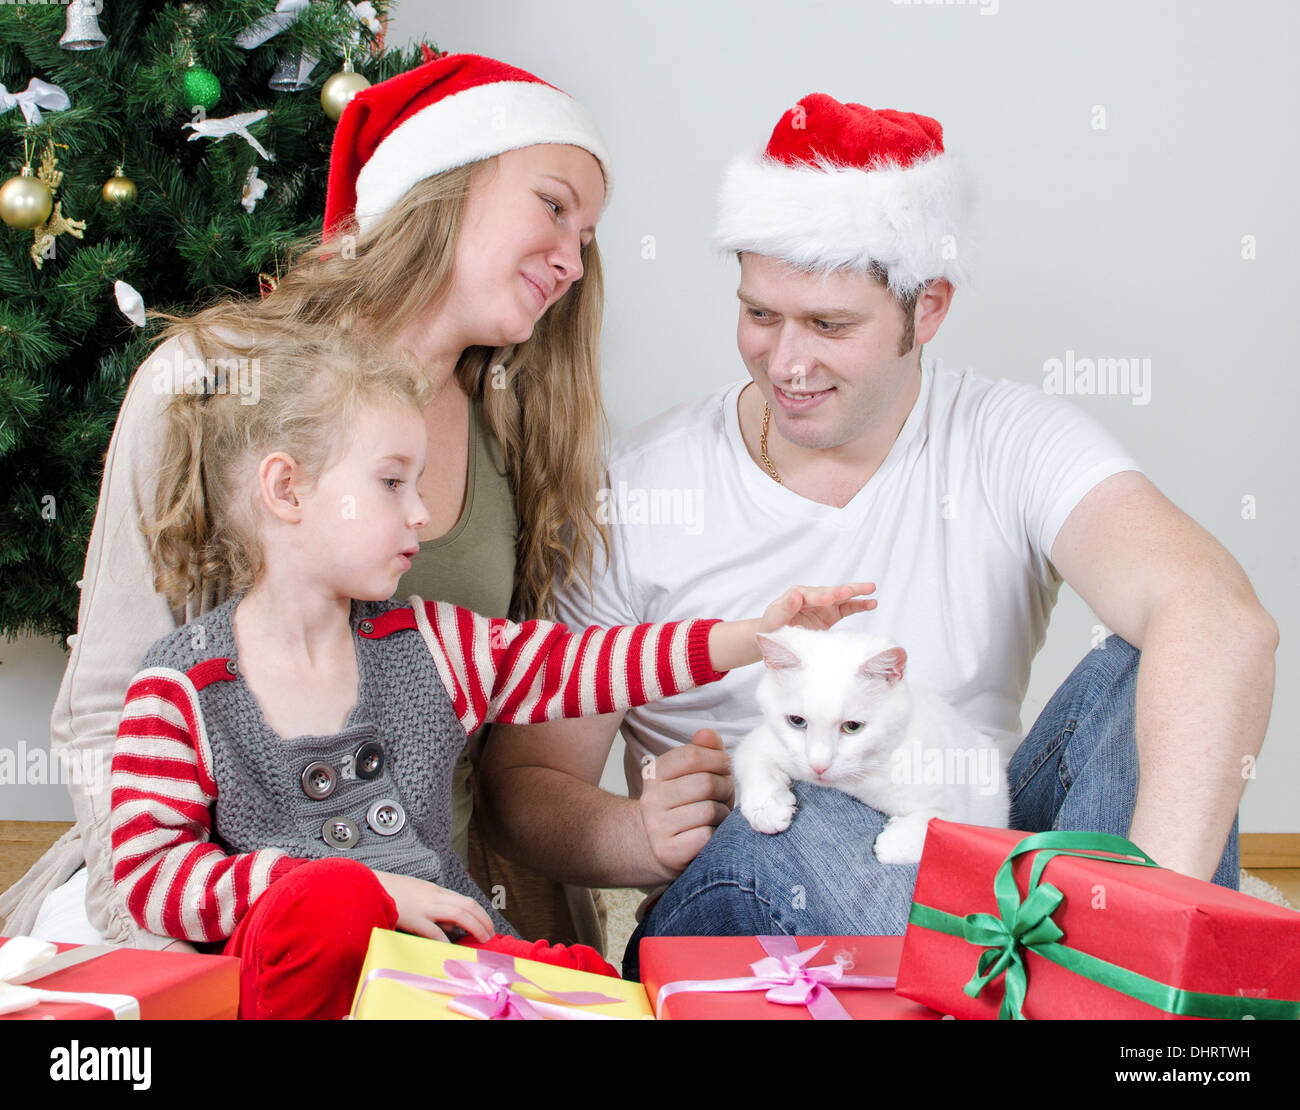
1122	242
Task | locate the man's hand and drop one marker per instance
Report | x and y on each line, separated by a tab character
422	905
685	794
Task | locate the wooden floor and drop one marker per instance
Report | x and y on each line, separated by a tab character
23	842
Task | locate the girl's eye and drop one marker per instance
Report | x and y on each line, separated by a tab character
392	483
796	722
851	727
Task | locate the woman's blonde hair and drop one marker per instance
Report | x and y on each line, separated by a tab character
541	397
300	398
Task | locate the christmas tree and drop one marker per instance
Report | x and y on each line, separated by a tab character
135	179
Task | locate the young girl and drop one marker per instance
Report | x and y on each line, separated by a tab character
282	775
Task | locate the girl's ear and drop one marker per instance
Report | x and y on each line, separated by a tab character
277	481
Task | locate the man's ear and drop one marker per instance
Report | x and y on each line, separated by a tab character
931	307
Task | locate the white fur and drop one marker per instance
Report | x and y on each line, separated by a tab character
915	758
473	124
827	217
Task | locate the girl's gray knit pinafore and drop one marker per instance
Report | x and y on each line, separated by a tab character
378	792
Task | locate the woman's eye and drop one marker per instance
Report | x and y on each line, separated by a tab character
796	722
554	205
851	727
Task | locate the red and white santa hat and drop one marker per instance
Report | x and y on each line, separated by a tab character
453	110
844	186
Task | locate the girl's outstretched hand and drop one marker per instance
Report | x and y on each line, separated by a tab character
816	607
732	643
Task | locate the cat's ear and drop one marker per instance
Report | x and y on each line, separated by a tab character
886	664
777	655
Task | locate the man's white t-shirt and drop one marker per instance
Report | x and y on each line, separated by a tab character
955	528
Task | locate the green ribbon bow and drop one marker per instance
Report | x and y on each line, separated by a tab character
1027	924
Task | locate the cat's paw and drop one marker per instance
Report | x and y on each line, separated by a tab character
771	814
900	842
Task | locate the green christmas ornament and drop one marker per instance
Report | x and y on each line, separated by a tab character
202	89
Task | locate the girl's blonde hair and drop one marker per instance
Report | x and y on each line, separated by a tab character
541	397
305	401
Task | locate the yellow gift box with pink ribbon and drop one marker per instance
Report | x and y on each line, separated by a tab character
413	978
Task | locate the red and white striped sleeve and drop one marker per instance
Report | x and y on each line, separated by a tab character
175	882
497	670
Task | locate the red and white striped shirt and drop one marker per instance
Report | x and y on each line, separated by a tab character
177	882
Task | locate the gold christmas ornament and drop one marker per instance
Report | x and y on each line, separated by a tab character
119	189
341	88
25	201
45	233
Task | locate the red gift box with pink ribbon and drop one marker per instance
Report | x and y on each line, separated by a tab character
778	978
41	979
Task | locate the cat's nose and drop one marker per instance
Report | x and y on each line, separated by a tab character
819	766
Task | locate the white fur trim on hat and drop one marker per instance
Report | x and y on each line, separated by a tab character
913	221
472	125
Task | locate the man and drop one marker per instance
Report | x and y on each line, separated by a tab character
966	500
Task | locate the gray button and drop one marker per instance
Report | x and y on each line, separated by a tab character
369	760
231	667
339	832
319	780
386	817
367	626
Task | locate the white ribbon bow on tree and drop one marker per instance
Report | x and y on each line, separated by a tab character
38	94
232	125
288	12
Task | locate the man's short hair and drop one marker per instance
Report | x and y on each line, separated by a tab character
906	302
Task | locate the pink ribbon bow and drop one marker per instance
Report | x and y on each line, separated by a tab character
786	977
483	989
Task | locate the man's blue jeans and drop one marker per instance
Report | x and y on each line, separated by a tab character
1077	769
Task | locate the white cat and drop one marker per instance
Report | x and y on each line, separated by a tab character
838	712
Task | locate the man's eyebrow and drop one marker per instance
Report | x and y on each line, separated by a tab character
577	200
847	315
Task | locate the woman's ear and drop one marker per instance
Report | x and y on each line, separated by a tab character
278	479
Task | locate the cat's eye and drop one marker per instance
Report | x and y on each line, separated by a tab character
852	726
796	722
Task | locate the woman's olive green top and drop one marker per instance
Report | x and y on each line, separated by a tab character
473	565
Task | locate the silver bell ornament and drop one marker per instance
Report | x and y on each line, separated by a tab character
83	31
293	71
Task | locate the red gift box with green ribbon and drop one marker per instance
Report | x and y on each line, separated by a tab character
1007	924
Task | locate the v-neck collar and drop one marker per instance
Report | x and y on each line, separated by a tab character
358	716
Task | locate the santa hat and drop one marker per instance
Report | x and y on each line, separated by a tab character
843	186
456	109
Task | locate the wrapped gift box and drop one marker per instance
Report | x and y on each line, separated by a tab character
128	982
407	976
1004	916
712	965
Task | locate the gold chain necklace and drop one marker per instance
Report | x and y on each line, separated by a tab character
762	445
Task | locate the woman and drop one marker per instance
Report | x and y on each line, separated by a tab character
463	197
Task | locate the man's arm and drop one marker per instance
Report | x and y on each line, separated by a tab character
1205	678
543	807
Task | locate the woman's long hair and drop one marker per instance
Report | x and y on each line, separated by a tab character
540	397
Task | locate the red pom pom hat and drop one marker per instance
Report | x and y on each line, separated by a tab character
844	186
456	109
